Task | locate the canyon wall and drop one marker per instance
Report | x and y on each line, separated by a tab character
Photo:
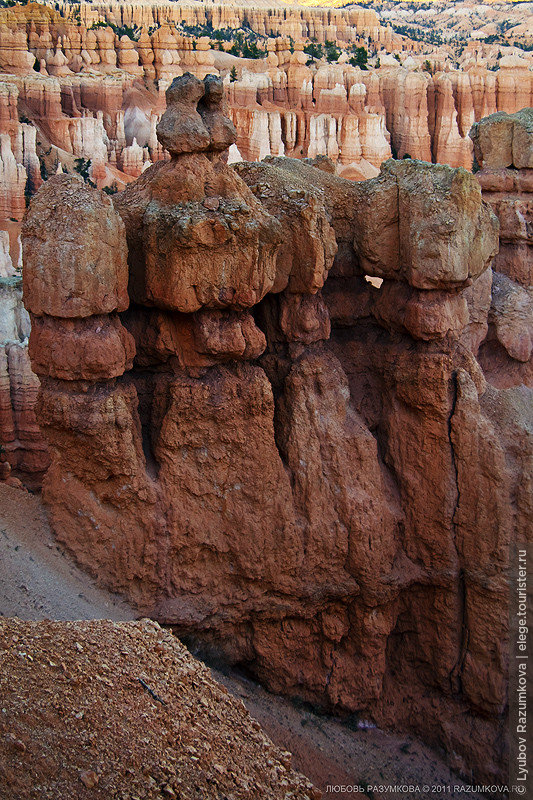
308	475
319	24
503	149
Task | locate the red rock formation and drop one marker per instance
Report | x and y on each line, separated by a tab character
224	220
330	504
98	285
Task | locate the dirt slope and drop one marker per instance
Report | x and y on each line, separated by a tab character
37	579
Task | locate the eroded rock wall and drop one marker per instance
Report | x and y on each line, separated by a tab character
309	475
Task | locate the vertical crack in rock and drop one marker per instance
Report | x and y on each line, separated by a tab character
455	674
454	391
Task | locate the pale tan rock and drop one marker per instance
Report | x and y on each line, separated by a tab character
450	145
13	178
6	264
133	159
523	139
405	97
504	140
416	225
14	54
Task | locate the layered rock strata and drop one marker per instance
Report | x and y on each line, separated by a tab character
98	94
308	475
300	23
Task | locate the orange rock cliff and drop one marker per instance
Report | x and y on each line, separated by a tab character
309	475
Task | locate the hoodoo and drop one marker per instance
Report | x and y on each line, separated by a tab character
308	474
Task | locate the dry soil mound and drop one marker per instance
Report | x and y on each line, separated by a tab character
121	710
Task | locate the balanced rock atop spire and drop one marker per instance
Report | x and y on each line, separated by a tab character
196	117
197	237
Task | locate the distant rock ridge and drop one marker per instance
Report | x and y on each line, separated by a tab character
300	471
80	89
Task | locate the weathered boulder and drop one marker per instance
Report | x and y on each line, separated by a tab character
181	129
504	140
214	110
424	224
308	244
197	237
314	206
73	270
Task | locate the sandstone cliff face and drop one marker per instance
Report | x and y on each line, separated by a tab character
308	474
